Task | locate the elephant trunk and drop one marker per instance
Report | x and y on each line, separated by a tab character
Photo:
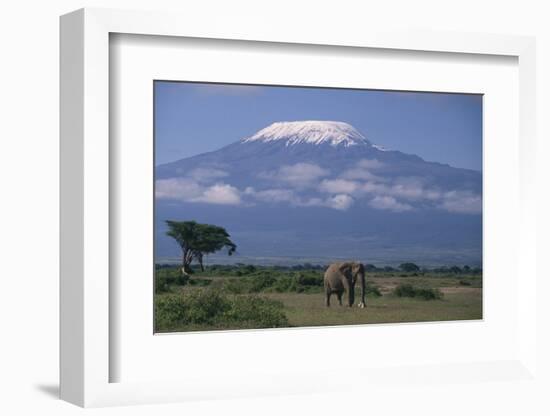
363	303
351	295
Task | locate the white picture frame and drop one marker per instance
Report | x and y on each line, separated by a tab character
85	351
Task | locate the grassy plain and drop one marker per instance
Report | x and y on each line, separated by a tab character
290	298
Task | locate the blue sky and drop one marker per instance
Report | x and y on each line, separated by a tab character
196	118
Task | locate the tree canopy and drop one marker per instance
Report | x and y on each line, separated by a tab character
197	239
409	267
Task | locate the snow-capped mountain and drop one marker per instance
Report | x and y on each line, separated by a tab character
321	188
335	133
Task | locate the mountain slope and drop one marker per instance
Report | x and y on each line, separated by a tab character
322	189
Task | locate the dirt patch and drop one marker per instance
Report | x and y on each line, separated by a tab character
460	289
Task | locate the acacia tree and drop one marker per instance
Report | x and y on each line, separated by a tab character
196	240
409	267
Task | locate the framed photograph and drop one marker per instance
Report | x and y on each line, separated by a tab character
233	208
275	228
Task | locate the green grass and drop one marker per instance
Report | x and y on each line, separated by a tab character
264	297
309	310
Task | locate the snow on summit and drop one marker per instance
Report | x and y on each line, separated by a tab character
314	132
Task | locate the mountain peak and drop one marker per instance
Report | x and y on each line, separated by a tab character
310	131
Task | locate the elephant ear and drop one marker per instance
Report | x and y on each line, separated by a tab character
358	268
345	269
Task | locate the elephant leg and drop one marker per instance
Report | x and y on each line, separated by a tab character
327	296
349	291
339	294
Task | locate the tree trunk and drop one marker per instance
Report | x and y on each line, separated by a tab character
199	258
186	260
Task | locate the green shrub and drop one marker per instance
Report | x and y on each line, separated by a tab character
310	279
168	276
405	290
182	279
248	269
199	307
258	283
235	286
285	284
429	294
161	284
410	291
200	282
203	308
251	284
372	290
471	282
170	311
256	312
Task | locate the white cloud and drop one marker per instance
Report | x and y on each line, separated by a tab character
461	202
362	170
308	189
359	174
389	203
340	202
335	186
413	188
185	189
222	194
299	175
275	195
403	188
207	174
177	188
369	164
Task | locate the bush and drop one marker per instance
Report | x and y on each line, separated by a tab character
310	279
429	294
202	308
471	282
410	291
405	290
372	290
409	267
161	284
236	286
198	307
170	310
200	282
285	284
249	269
205	306
261	282
168	276
256	312
252	284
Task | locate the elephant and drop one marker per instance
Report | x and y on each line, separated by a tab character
340	277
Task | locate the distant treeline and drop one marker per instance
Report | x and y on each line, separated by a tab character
409	267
